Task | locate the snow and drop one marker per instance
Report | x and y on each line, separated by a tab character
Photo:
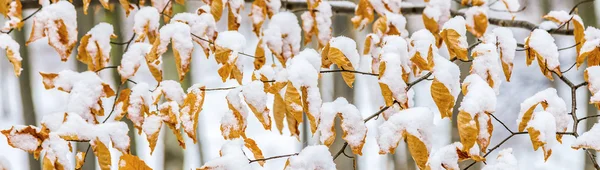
47	25
202	25
232	40
229	118
560	16
544	122
179	34
323	16
548	25
352	123
392	77
420	42
593	78
312	56
543	43
301	72
438	10
99	43
589	139
507	45
152	124
58	150
273	6
382	6
486	65
398	21
146	21
14	15
480	97
133	58
592	40
19	137
445	157
473	11
7	43
554	105
505	160
75	126
267	71
448	74
416	121
348	48
458	24
255	95
139	98
312	157
232	157
283	35
172	91
395	45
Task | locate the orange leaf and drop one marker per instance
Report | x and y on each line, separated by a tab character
102	153
442	98
363	14
132	162
251	144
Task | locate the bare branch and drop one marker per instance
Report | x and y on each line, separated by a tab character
274	157
350	71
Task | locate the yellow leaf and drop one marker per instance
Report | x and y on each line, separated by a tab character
154	62
102	153
380	26
431	24
483	140
132	162
170	112
79	159
193	104
325	62
222	54
259	54
421	63
259	6
442	98
337	57
253	147
526	118
232	24
4	6
236	72
306	104
578	32
451	38
279	111
216	9
480	22
534	134
363	14
182	69
125	5
225	71
467	130
15	60
417	149
293	102
14	138
152	136
66	45
292	125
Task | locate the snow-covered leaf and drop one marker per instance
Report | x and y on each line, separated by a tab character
363	14
541	130
133	58
454	35
422	49
317	21
94	48
233	122
474	123
146	23
342	52
283	36
232	157
589	139
58	22
504	160
132	162
590	48
540	45
11	48
228	45
190	111
506	46
256	97
551	103
445	86
477	20
354	128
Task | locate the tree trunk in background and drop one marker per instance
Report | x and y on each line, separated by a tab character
341	26
84	24
26	95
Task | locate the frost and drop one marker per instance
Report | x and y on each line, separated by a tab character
312	157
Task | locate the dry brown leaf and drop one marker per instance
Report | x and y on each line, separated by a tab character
442	98
132	162
337	57
102	153
451	38
13	55
259	54
363	14
417	149
253	147
325	62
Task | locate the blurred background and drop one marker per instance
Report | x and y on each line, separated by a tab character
24	100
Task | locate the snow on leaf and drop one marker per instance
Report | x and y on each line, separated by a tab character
94	48
178	34
454	35
477	20
342	52
422	49
589	139
102	153
151	127
57	153
127	6
58	22
383	6
474	123
445	158
317	21
253	147
551	103
26	138
352	124
579	35
390	24
11	48
413	125
14	14
234	18
165	7
303	89
169	111
393	88
446	85
279	111
190	111
202	27
232	157
79	160
293	102
135	103
216	9
257	15
540	45
132	59
233	122
436	14
146	23
473	2
132	162
256	97
171	90
504	160
590	48
558	17
541	129
485	63
363	14
283	36
506	45
312	157
228	45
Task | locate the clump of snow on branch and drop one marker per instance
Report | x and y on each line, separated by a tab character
589	139
504	160
232	157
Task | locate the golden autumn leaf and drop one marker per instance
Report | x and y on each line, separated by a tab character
293	102
480	22
442	98
79	159
484	121
451	38
292	125
421	63
259	54
151	126
305	106
182	69
190	111
257	14
417	149
102	153
526	118
325	62
132	162
232	16
216	9
431	25
363	14
337	57
14	134
534	134
531	54
4	6
253	147
279	111
472	2
467	130
169	112
127	6
578	34
12	52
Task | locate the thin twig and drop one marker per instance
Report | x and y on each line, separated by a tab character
274	157
24	19
351	71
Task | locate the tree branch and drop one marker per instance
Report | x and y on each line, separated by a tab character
274	157
350	71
